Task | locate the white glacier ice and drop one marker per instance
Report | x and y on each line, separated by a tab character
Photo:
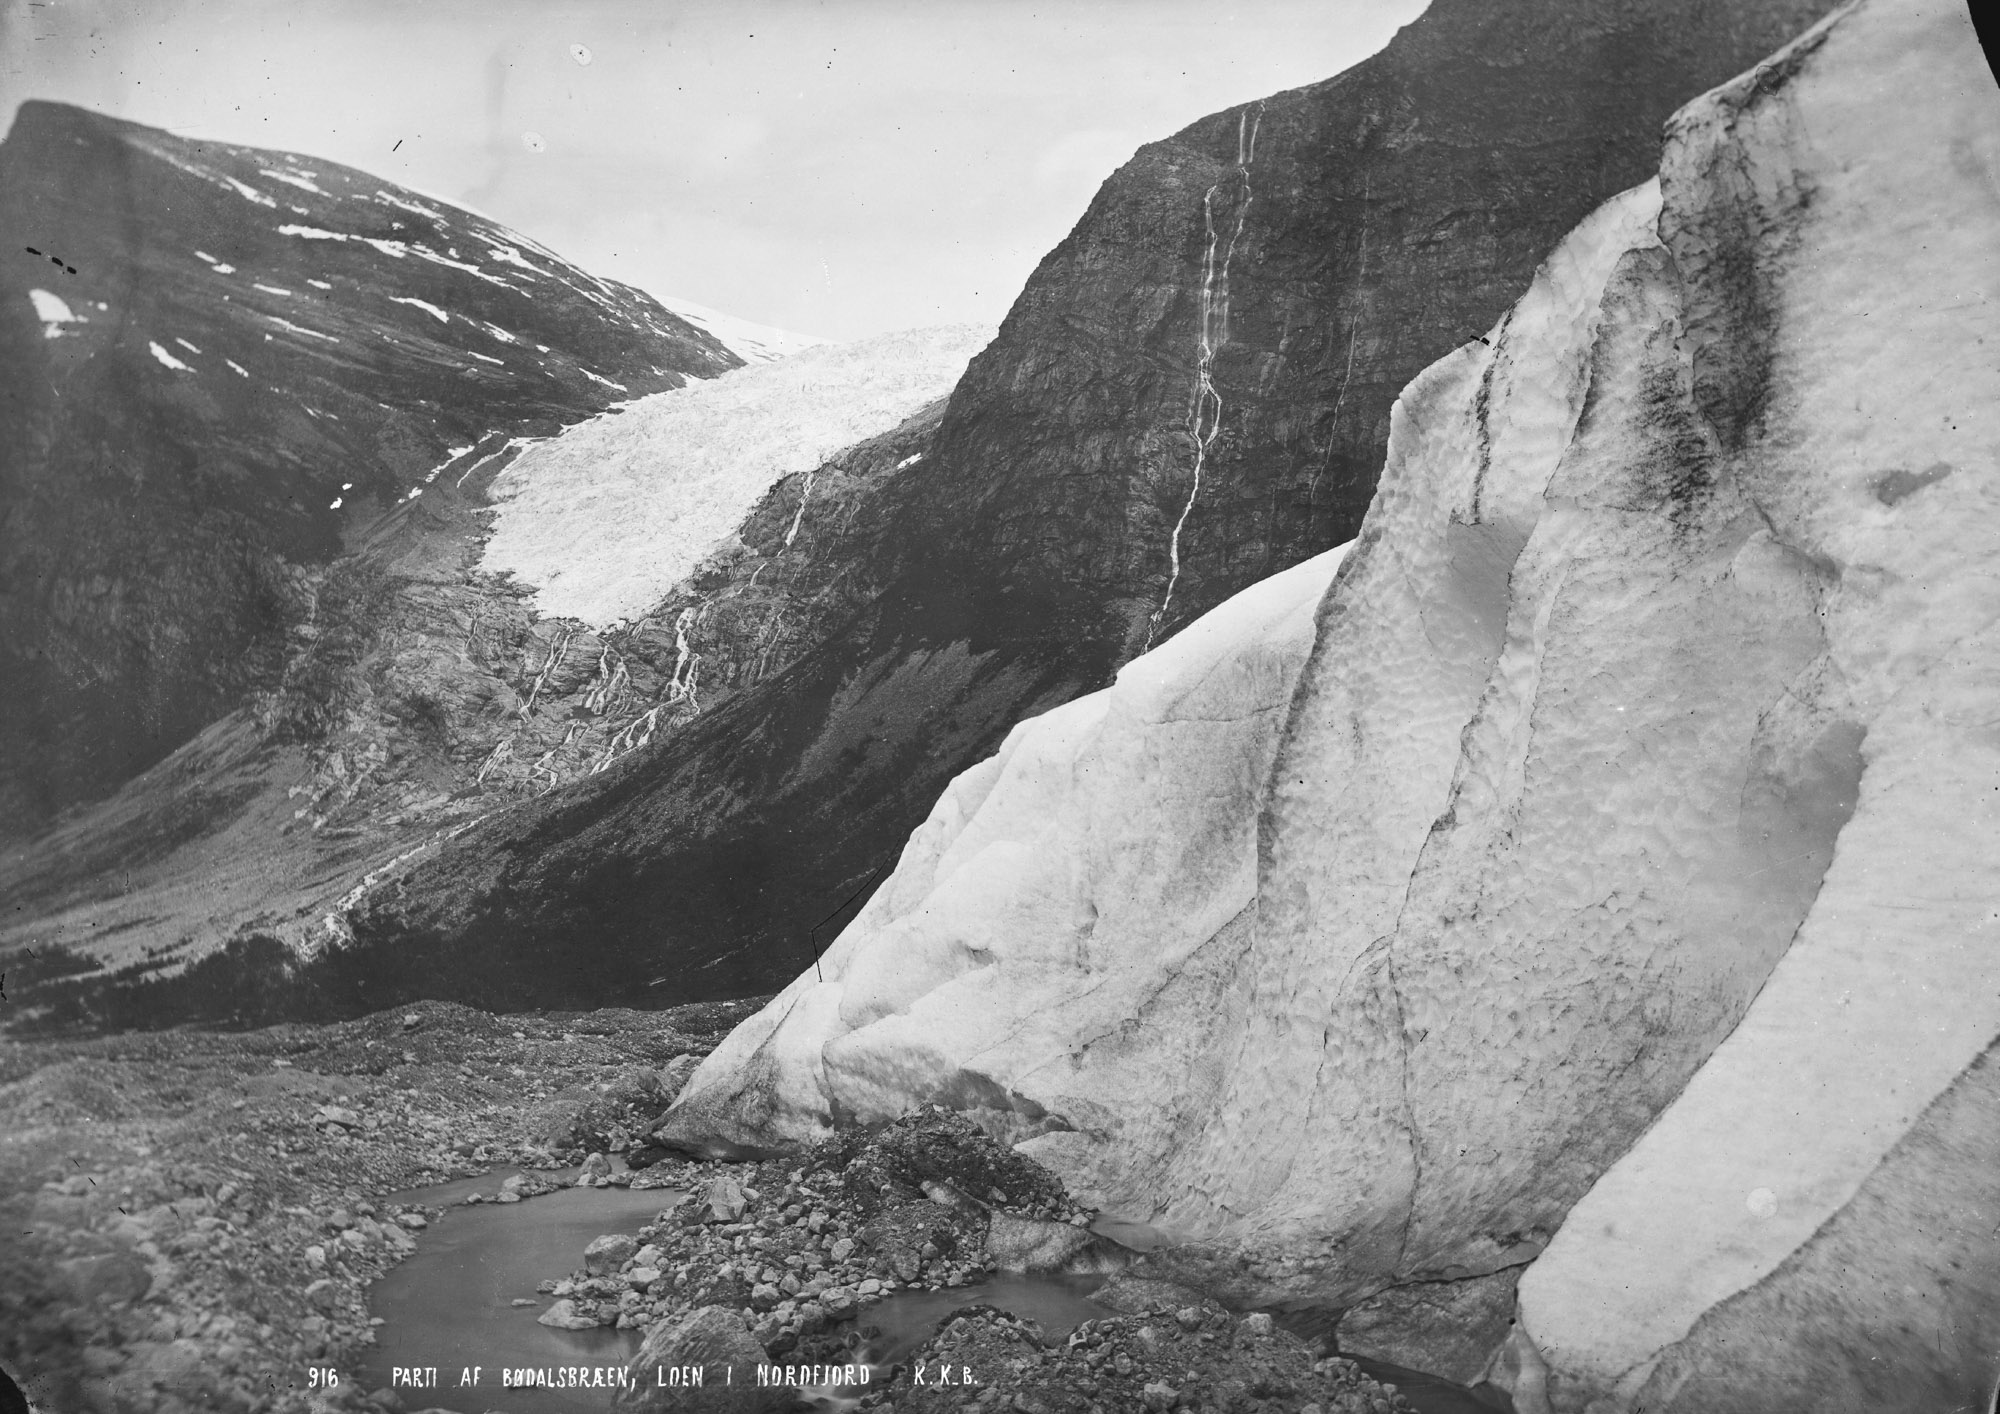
625	505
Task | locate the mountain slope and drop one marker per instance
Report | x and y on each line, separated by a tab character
1600	887
1190	394
427	688
219	368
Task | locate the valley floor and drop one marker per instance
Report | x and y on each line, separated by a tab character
193	1219
177	1206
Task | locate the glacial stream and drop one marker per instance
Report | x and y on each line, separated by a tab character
452	1304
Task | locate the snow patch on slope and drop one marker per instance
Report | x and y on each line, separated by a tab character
607	517
425	305
54	312
168	359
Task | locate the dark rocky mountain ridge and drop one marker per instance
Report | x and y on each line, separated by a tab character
239	366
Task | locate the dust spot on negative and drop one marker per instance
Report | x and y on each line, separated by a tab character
533	142
1893	485
580	53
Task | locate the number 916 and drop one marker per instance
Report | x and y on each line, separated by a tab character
322	1379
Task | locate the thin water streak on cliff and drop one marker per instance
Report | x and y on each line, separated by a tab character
687	662
799	515
1205	407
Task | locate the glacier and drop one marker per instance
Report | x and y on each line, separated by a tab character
654	486
1583	880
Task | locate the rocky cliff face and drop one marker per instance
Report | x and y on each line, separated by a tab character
221	368
1597	884
1191	394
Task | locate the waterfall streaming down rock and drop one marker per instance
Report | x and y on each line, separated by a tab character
798	517
687	663
1204	417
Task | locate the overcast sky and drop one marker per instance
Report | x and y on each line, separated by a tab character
837	168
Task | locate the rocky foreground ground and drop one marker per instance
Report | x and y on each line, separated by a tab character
193	1218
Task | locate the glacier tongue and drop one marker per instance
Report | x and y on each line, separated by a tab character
1054	889
1595	878
653	486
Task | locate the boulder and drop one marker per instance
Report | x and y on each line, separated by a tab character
674	1075
608	1253
644	1155
106	1279
1031	1245
726	1200
324	1294
714	1340
565	1315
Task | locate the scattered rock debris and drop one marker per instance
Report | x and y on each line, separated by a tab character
201	1213
192	1217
